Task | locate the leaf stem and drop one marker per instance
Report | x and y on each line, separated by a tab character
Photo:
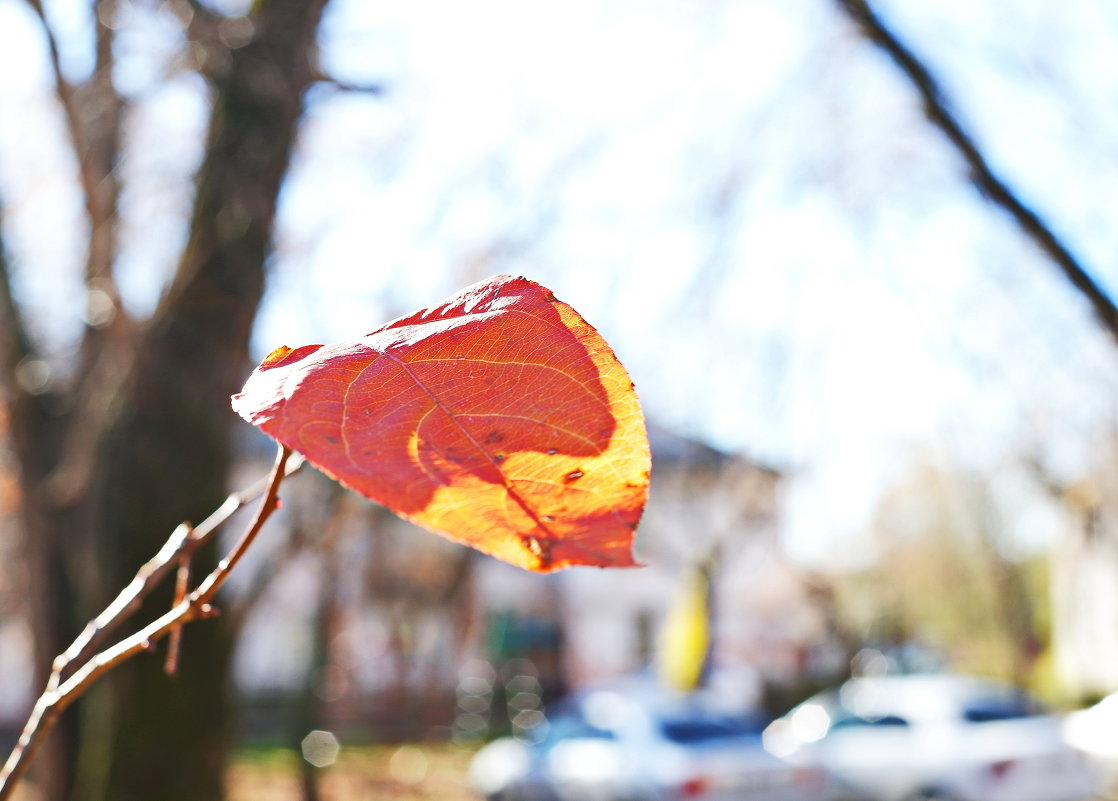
208	588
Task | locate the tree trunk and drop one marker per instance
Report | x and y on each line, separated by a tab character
162	449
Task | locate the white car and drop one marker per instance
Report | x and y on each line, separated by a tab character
921	737
1095	731
614	745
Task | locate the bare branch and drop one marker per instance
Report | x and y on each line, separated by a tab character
92	111
985	180
206	591
372	89
94	138
327	528
61	690
182	586
17	344
53	701
153	571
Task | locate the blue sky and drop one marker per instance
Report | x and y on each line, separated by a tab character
741	195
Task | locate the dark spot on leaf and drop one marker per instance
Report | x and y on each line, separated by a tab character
541	549
574	475
494	436
499	457
331	439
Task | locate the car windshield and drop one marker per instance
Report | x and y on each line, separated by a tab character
575	727
1008	707
850	721
911	700
690	731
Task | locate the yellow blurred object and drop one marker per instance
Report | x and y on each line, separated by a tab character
685	638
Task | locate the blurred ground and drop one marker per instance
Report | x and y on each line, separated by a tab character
397	772
403	773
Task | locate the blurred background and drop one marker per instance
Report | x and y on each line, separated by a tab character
876	352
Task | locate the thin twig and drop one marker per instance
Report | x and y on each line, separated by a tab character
152	572
94	149
298	541
182	586
371	89
982	175
208	588
62	691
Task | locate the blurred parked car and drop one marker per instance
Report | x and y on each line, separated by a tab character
903	738
1095	731
615	745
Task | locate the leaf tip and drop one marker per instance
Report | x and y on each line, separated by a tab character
284	355
275	357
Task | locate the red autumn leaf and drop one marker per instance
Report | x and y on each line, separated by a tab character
499	419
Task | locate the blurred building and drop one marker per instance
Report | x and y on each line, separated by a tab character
409	621
1084	592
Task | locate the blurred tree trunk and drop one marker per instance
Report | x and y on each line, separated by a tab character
35	430
140	441
309	710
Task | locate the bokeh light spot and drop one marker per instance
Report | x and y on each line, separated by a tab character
320	748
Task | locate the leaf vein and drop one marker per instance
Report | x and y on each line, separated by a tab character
508	363
454	419
553	426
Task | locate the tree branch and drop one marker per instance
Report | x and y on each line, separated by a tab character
92	110
62	690
185	538
322	79
94	138
17	344
208	588
327	527
982	175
